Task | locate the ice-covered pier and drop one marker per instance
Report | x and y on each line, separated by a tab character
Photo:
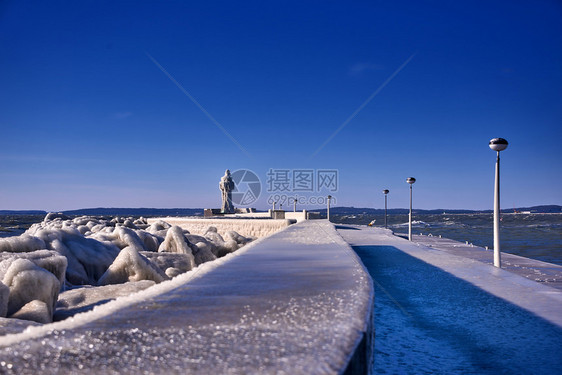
301	302
296	302
441	307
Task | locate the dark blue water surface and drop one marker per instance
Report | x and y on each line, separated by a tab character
430	322
537	236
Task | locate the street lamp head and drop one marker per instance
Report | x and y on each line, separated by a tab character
329	197
410	180
498	144
386	191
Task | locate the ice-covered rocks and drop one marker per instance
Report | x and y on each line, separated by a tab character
21	244
82	299
47	259
36	311
173	264
63	253
28	282
131	266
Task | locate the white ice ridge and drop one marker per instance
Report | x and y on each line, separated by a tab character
250	228
297	301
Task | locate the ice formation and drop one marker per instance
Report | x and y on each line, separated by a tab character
63	253
131	266
86	298
28	282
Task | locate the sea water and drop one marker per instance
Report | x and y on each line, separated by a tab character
536	236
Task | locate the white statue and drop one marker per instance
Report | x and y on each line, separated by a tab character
227	185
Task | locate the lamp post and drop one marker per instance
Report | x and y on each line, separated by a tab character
328	212
497	144
411	181
385	192
295	204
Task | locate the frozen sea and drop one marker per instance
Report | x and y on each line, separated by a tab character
536	236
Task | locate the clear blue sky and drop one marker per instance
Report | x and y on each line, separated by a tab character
88	119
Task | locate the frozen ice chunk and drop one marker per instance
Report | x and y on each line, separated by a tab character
88	259
173	272
238	238
128	238
21	244
36	311
203	253
129	224
222	247
83	229
181	262
47	259
131	266
150	241
158	227
4	295
28	282
86	298
176	242
55	215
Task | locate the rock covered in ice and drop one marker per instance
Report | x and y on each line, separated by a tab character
28	282
130	265
151	242
21	244
158	228
83	299
91	250
164	261
202	252
36	311
222	247
236	237
176	242
55	215
47	259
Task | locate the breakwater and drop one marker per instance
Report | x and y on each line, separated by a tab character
298	301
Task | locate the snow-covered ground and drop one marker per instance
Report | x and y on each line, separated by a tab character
41	269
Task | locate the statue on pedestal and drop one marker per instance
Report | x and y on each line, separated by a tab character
227	185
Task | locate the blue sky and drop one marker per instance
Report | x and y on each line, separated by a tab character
88	119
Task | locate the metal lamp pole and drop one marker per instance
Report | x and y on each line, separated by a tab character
497	144
411	181
385	191
328	212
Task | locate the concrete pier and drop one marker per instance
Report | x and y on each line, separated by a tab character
301	302
297	302
532	269
439	313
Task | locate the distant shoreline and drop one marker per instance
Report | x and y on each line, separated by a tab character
114	211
